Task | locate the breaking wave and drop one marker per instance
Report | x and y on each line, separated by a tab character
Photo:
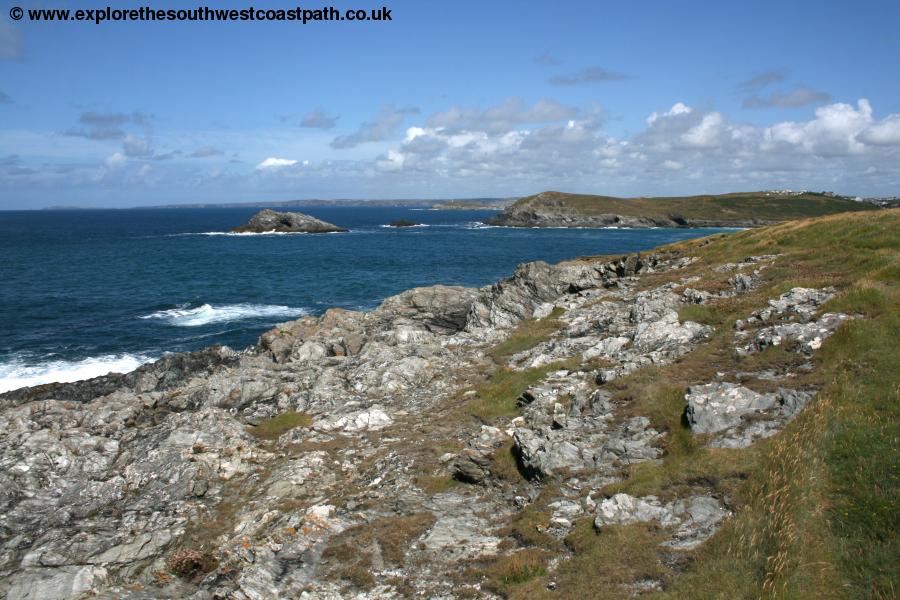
20	372
184	316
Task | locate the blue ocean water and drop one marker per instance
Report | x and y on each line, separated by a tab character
84	292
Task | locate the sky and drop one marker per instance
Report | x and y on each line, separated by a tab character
451	100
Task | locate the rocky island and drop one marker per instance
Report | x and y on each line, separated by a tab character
749	209
270	221
403	223
708	417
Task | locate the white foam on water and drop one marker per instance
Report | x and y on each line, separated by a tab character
244	234
19	372
225	313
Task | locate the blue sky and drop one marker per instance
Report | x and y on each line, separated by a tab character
452	99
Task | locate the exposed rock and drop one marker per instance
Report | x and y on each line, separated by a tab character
270	221
808	336
694	519
717	406
739	415
102	481
473	463
403	223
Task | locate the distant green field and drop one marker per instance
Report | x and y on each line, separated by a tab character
763	206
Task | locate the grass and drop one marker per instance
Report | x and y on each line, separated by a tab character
352	552
436	484
529	525
273	428
504	465
527	334
819	513
510	571
600	564
816	507
496	397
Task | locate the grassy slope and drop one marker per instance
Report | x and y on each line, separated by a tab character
817	507
747	205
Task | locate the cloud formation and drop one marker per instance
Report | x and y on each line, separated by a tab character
205	152
275	163
318	119
800	96
106	126
761	80
380	129
503	117
587	75
509	148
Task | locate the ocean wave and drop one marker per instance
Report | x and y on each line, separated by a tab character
479	225
184	316
19	371
405	226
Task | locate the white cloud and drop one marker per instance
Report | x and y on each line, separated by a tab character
672	165
506	149
115	160
275	163
883	133
833	132
678	108
705	134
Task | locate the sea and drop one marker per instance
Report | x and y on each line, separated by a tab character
88	292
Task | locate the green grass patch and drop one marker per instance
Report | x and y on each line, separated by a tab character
601	564
436	484
515	569
527	334
273	428
819	513
496	397
504	465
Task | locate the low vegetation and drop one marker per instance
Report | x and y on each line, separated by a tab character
353	553
816	507
273	428
527	334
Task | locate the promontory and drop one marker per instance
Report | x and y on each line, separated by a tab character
270	221
745	209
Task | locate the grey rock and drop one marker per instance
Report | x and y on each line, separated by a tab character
717	406
267	220
808	336
693	520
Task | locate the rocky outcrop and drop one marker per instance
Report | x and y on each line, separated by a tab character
547	210
270	221
692	521
403	223
224	474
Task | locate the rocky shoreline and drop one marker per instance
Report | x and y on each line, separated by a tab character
338	458
558	214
